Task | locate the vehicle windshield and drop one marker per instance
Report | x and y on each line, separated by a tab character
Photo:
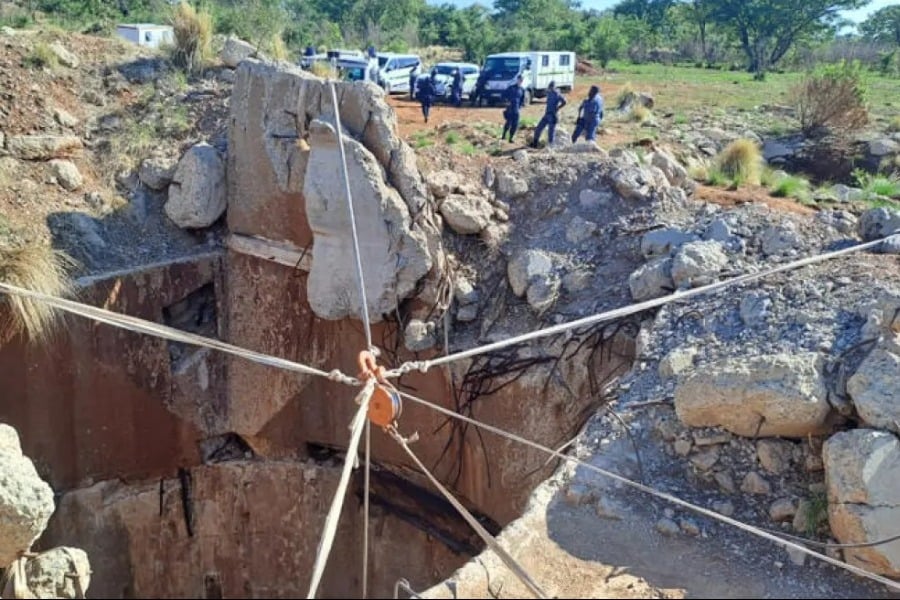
382	60
504	67
355	73
444	69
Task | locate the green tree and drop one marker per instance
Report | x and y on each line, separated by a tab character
766	29
609	38
652	12
472	30
883	25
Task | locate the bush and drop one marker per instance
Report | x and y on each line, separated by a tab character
41	56
640	113
321	68
741	162
792	187
193	33
833	100
38	268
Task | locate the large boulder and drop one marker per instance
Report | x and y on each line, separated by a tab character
862	468
466	214
396	257
67	174
661	242
652	280
26	501
156	172
877	223
874	391
65	57
59	573
775	395
674	171
698	263
235	50
511	186
197	192
532	274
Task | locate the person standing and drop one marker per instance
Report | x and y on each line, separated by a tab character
590	114
413	77
515	100
479	87
426	94
555	102
457	87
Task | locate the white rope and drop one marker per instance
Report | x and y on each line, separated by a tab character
137	325
625	311
508	560
668	497
365	552
360	280
337	503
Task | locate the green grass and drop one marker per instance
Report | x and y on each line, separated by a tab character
422	140
894	124
792	187
468	148
452	138
818	513
680	119
40	57
718	178
879	185
530	122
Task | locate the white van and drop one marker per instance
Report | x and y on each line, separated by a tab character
537	68
394	70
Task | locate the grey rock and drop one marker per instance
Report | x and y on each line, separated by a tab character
696	262
488	177
706	458
774	455
520	156
874	390
156	172
397	255
755	308
877	223
42	147
578	230
883	147
64	118
862	468
52	574
464	292
527	267
591	199
667	527
67	174
754	483
442	183
543	292
845	193
660	242
723	507
631	183
236	50
675	173
466	214
419	336
689	526
710	437
65	57
467	313
725	482
682	446
773	149
774	395
511	186
677	361
197	192
891	245
583	147
26	501
780	239
577	281
652	280
782	510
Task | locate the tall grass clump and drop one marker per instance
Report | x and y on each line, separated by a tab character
741	162
193	34
35	267
832	100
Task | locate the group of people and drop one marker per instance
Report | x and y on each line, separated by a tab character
590	111
426	89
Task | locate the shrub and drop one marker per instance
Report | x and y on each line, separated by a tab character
626	96
879	185
792	187
193	34
640	113
322	69
41	56
894	125
717	177
38	268
278	48
741	162
452	137
832	99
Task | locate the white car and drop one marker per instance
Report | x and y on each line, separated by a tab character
444	78
394	70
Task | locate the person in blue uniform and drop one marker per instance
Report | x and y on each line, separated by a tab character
457	87
426	94
479	88
515	100
590	114
555	102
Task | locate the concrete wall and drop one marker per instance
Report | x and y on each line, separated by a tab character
99	402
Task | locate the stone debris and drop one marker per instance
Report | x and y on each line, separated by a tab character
197	192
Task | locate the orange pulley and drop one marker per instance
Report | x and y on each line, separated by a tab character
385	406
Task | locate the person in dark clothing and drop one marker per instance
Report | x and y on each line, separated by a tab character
413	77
555	102
590	113
515	100
457	87
426	94
479	87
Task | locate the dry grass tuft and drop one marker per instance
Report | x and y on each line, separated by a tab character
193	34
38	268
741	162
